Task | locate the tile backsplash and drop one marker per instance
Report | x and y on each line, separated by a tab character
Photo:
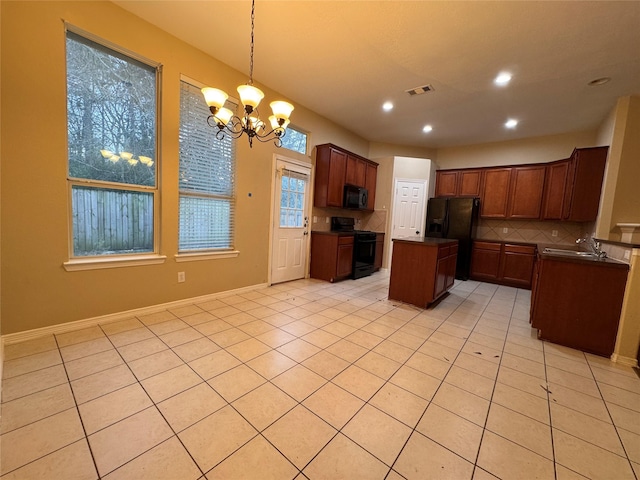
374	221
531	231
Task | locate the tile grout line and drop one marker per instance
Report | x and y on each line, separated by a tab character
414	429
616	427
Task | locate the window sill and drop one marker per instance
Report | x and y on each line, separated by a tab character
94	263
195	257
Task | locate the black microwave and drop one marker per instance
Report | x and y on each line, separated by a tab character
355	197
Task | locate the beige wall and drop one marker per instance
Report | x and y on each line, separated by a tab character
36	290
377	150
626	205
515	152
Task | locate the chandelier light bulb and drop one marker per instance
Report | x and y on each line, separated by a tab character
214	97
387	106
281	109
224	115
511	123
427	128
250	96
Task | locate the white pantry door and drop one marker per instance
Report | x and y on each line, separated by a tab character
290	222
408	209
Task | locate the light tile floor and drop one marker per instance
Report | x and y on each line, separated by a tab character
316	380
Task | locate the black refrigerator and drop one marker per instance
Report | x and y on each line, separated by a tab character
455	218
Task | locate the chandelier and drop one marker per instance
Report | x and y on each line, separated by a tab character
250	124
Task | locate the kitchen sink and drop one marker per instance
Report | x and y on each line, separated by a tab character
569	253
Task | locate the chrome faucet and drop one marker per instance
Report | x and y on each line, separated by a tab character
594	244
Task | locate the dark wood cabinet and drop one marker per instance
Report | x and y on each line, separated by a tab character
331	256
503	263
516	265
494	199
371	179
564	190
512	192
577	303
485	261
584	184
356	171
422	269
555	182
526	189
446	183
331	165
377	264
336	167
469	183
458	183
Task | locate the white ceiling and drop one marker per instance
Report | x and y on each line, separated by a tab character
343	59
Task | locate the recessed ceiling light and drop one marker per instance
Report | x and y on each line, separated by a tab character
502	79
599	81
387	106
427	128
511	123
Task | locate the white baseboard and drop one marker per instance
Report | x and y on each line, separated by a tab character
114	317
629	361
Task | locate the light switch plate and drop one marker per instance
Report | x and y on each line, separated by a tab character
554	233
505	230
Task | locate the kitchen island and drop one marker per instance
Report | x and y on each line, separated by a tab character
423	269
577	298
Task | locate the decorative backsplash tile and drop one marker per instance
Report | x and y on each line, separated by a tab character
531	231
376	222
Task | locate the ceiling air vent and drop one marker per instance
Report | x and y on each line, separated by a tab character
419	90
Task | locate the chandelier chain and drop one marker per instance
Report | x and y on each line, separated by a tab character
253	7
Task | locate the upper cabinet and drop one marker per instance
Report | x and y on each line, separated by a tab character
563	190
356	171
512	192
458	183
331	165
494	196
525	197
584	184
335	168
556	180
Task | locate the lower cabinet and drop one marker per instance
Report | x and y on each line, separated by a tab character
577	303
422	270
503	263
331	256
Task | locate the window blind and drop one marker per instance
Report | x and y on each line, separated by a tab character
206	177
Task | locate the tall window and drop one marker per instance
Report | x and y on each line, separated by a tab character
111	122
295	140
206	182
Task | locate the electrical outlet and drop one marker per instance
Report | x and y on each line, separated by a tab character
326	219
181	277
554	233
505	230
315	219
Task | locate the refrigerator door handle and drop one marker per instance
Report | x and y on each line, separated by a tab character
445	226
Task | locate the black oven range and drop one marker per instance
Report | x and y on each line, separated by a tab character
364	246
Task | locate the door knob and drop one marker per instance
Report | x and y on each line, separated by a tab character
417	232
